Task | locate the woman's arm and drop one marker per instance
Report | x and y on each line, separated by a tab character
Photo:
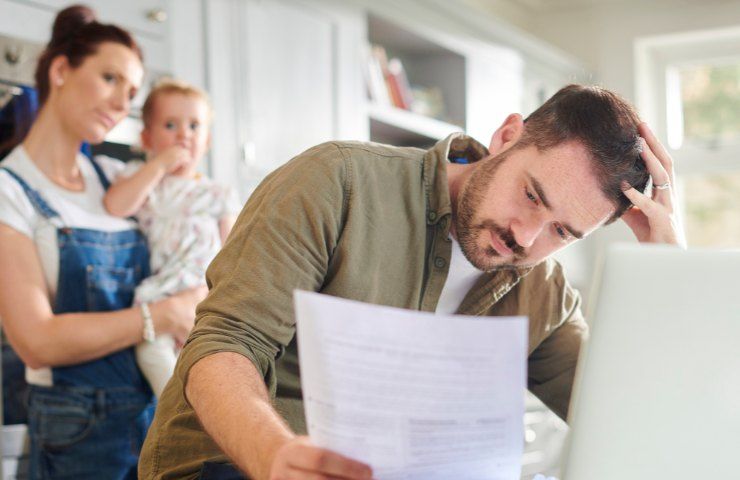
43	339
126	196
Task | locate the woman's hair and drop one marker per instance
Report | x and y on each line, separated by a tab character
77	34
168	86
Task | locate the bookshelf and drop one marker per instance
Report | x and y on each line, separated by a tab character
436	75
401	127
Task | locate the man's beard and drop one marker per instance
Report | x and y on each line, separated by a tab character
469	233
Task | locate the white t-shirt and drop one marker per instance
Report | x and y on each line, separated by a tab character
77	210
461	277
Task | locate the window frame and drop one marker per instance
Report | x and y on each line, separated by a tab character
656	59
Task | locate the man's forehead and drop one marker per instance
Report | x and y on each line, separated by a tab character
572	188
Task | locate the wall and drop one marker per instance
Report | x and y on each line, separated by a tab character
603	37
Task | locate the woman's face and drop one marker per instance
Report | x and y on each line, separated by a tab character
92	98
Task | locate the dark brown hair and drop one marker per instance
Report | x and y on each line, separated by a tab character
602	121
77	34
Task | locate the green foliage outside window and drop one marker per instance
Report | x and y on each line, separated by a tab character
711	104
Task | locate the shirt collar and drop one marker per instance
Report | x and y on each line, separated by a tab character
458	148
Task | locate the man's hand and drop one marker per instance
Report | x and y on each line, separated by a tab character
653	219
299	459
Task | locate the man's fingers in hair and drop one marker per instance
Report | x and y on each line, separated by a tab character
656	169
657	148
641	201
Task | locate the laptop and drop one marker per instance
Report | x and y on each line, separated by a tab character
657	393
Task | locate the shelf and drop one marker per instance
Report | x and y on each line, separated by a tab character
436	75
414	128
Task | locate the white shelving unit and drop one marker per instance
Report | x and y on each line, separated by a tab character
402	127
428	64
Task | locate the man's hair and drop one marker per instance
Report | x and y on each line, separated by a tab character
605	124
170	86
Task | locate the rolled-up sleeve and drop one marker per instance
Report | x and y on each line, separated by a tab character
283	240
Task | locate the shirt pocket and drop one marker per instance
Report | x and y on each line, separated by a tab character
111	288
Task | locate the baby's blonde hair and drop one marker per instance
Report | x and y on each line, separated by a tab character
169	86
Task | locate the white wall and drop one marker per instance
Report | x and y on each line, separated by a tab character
603	37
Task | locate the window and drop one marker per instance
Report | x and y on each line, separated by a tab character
712	209
688	89
709	95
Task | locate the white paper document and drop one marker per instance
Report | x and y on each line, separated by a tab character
415	395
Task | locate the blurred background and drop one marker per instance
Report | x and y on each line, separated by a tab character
285	75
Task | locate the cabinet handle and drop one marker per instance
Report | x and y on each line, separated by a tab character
157	15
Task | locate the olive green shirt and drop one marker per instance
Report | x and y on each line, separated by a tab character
361	221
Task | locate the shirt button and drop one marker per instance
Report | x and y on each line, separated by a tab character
440	262
432	216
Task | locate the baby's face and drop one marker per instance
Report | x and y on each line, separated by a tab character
181	120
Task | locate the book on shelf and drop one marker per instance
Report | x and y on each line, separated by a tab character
375	78
387	82
401	84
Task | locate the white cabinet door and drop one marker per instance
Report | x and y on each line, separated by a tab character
290	81
296	81
32	20
141	16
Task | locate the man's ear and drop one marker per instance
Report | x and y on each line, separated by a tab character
507	134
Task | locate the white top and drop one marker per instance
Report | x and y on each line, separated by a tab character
460	279
77	210
181	221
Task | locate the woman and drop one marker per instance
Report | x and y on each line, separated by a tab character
69	268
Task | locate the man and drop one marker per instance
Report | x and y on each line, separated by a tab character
457	228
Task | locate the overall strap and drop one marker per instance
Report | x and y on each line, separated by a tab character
38	202
99	170
105	182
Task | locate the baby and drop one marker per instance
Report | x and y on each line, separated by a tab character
185	216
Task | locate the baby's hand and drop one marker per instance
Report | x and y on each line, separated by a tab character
172	158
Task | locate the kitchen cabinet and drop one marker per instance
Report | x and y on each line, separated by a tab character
289	79
146	19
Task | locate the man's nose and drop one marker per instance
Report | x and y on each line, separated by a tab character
527	230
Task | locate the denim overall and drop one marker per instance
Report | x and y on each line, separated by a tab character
93	421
